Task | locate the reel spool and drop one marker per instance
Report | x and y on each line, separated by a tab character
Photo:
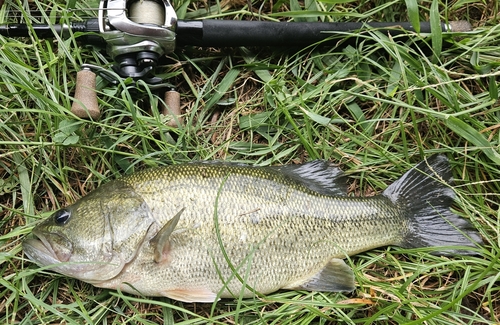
146	12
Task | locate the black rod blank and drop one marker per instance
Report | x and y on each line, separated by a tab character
46	30
222	33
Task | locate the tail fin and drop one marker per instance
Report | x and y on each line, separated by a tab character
425	196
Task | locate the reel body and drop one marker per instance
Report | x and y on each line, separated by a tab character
133	27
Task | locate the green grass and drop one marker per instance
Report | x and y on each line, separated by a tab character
375	107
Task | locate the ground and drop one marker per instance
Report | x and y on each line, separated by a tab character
372	104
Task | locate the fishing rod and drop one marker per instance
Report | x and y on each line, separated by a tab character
136	33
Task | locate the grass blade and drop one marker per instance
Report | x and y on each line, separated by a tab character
437	33
413	14
473	136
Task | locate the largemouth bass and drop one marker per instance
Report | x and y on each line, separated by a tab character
198	232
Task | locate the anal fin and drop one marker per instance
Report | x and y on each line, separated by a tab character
191	295
336	276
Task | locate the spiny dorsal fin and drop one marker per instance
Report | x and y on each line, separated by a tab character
336	276
161	241
318	175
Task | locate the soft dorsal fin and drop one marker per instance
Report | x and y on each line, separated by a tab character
336	276
318	175
161	241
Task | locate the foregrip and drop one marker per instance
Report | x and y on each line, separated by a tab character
219	33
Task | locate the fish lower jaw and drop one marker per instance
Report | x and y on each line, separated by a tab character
49	245
40	252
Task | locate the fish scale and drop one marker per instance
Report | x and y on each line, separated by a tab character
204	231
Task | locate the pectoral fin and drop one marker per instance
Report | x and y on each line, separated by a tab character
336	276
161	241
191	295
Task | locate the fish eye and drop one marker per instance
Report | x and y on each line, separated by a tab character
61	217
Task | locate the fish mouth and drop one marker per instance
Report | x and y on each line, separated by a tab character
54	251
44	251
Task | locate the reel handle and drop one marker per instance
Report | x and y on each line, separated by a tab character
85	104
172	107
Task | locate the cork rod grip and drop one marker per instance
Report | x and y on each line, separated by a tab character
85	104
173	108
